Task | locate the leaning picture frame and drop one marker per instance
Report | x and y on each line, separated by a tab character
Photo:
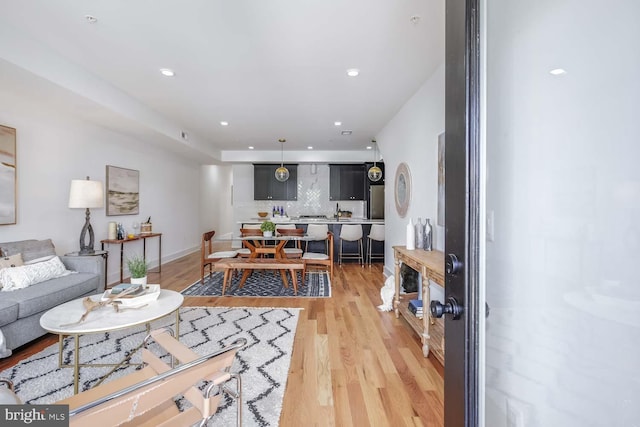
123	191
441	175
8	176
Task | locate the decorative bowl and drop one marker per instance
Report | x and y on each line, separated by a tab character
263	214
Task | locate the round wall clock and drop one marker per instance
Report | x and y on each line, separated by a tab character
402	189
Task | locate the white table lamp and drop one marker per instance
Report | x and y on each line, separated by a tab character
86	194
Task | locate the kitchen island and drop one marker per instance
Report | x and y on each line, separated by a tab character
334	226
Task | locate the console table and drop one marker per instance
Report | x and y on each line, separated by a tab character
431	265
142	237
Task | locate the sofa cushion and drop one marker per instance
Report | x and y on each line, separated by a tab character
26	275
11	261
8	311
45	295
30	249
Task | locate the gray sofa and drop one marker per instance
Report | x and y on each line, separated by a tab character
20	309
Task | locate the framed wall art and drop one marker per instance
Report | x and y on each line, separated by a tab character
402	189
440	218
123	191
8	176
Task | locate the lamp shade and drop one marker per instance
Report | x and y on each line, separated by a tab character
86	194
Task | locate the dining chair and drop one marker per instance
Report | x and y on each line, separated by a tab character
248	230
375	234
208	257
291	230
322	259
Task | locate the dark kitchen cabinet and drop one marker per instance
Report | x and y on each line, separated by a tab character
347	182
267	187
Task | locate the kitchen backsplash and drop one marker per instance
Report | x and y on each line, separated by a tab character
313	198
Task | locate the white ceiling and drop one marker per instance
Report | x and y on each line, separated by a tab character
272	69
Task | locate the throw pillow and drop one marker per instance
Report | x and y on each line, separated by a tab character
11	261
37	260
26	275
30	249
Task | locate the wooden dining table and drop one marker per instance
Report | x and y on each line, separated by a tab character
265	246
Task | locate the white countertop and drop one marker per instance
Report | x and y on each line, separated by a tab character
295	220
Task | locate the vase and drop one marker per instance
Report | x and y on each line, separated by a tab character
428	236
267	233
139	281
411	236
419	234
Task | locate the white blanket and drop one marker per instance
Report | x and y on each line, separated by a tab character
387	293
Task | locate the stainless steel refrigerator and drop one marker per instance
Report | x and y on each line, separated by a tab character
376	202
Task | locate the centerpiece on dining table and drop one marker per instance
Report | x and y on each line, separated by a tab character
267	228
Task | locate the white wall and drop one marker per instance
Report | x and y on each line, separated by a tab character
216	198
412	137
53	149
563	183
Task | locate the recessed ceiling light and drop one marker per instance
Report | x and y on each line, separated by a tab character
346	132
223	123
309	148
251	147
91	19
353	72
167	72
337	123
369	147
558	72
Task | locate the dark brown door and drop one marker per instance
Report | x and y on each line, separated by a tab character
460	308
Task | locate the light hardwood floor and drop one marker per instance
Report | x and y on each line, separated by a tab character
352	365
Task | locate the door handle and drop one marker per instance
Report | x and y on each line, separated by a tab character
450	307
452	264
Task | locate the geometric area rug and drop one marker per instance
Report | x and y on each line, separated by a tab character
263	363
262	283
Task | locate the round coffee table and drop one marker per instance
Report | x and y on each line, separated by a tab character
63	320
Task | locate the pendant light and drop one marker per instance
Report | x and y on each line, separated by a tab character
282	173
375	173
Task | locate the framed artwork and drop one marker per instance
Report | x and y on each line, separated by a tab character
440	219
123	191
8	176
402	189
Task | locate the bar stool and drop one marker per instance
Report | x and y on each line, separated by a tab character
375	234
351	233
317	232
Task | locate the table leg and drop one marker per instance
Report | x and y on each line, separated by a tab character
225	278
246	272
279	254
160	253
396	300
294	279
426	315
60	344
76	363
121	260
173	358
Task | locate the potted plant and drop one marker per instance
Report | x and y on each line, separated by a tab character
267	228
138	270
